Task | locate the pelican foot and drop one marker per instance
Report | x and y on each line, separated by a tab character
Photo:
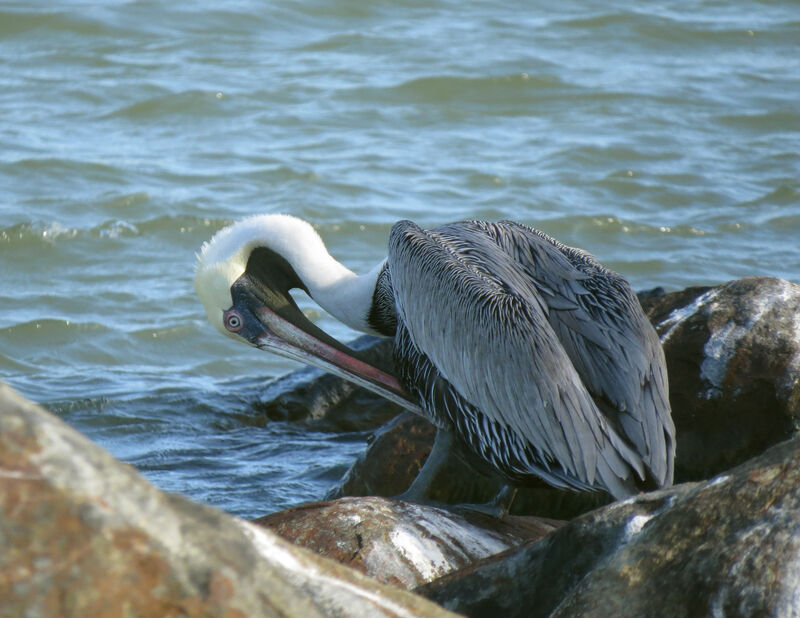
499	507
418	494
415	498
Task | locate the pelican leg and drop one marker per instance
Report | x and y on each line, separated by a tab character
503	500
418	490
498	507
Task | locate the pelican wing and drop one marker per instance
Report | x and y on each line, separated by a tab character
612	345
478	317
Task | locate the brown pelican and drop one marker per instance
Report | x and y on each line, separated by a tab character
530	353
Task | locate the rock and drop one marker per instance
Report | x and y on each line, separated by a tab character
733	359
400	543
726	547
82	534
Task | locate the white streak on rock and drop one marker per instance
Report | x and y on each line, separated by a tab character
267	545
717	480
473	541
723	343
677	316
437	544
789	597
272	548
717	352
634	526
425	555
792	376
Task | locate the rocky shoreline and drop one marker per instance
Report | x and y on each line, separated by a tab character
83	534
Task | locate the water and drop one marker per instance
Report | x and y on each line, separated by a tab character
665	139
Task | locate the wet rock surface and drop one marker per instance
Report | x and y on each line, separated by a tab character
400	543
82	534
727	547
733	358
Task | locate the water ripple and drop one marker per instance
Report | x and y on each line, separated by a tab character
502	90
190	103
783	195
36	233
14	23
73	170
779	121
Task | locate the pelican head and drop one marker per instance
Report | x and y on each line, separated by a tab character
243	278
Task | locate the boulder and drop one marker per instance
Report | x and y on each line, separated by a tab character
400	543
724	547
733	359
82	534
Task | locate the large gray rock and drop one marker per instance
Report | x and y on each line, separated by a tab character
82	534
733	358
400	543
725	547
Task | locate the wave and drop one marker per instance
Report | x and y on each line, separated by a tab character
658	28
74	170
503	89
23	234
33	233
20	22
609	225
53	330
357	42
783	195
778	121
185	104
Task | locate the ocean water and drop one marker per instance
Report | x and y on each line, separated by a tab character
664	138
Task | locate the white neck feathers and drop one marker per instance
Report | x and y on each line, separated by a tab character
222	260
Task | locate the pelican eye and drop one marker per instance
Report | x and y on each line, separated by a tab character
233	321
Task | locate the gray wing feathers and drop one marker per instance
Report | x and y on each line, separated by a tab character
609	340
483	323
